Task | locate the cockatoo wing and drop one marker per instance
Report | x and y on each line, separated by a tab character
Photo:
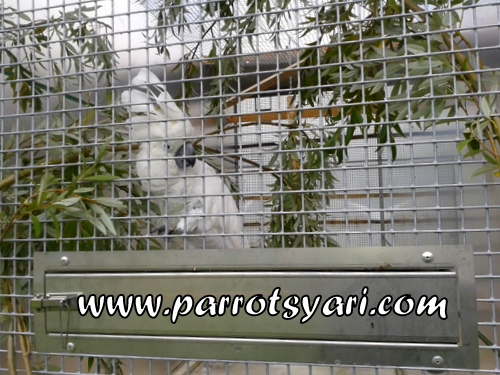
145	77
137	101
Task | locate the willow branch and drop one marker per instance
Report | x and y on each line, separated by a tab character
72	158
6	288
11	351
251	162
234	127
25	344
9	181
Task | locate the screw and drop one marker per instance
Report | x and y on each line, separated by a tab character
39	295
438	361
70	347
64	261
427	257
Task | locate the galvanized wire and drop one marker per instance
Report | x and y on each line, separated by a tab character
423	197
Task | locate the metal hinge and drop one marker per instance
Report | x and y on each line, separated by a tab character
55	300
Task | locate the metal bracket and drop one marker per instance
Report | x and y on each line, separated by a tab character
60	301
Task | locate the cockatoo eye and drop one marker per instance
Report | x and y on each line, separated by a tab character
167	146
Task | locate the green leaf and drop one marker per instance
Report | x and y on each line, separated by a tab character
349	134
83	190
24	17
398	130
56	224
36	225
483	170
485	107
101	178
489	159
44	183
463	144
96	223
356	117
102	152
90	363
68	201
472	153
274	158
104	217
110	202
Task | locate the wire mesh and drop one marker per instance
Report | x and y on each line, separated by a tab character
244	86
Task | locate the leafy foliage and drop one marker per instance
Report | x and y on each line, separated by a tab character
25	43
389	63
383	64
300	193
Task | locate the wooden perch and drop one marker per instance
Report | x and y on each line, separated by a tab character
288	115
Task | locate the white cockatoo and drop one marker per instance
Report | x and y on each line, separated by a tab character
198	205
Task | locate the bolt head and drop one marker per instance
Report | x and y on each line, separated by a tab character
438	361
64	261
70	347
427	257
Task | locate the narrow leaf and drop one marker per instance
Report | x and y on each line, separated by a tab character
96	223
398	130
483	170
90	363
102	152
485	107
104	218
101	178
36	225
68	201
110	202
56	224
83	190
462	145
349	134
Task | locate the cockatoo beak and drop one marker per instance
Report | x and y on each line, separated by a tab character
187	150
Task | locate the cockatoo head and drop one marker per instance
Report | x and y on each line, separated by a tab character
154	116
182	154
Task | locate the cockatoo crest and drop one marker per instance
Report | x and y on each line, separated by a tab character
153	116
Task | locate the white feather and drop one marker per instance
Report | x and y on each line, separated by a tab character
137	101
145	77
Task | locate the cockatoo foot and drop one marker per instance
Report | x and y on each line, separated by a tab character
179	229
160	229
